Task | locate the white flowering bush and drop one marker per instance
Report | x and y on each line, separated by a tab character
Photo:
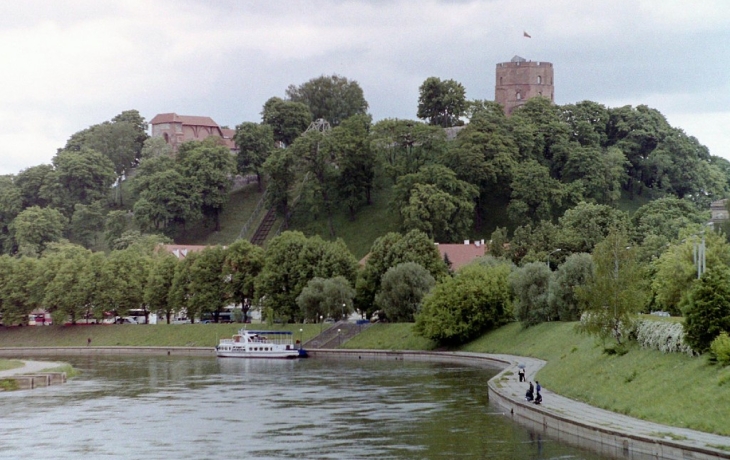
665	336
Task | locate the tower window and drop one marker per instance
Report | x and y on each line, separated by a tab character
500	80
539	80
518	96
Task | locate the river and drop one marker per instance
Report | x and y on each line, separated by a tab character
161	407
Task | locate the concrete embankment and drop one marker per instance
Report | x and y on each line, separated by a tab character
610	434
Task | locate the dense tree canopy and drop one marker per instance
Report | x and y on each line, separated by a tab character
442	103
333	98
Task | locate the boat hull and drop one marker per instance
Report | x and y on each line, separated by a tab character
287	354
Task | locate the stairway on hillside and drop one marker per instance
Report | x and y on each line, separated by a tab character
335	336
262	232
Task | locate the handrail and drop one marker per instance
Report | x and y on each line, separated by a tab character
253	217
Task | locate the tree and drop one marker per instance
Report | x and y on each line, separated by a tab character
355	160
11	204
315	154
114	225
155	147
20	291
37	185
86	222
530	285
255	143
291	261
390	250
209	167
666	217
404	146
577	270
242	265
708	310
66	292
35	227
402	288
461	308
159	285
170	201
587	224
207	282
331	297
180	291
334	98
535	195
442	103
122	281
616	293
676	271
435	202
280	169
84	176
287	119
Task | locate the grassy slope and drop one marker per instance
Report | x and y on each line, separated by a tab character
666	388
235	213
164	335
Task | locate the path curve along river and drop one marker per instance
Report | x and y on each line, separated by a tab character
607	433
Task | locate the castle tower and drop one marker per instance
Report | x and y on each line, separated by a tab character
519	80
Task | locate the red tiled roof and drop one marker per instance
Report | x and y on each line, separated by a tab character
461	254
184	119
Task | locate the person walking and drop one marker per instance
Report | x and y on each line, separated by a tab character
538	396
530	395
521	374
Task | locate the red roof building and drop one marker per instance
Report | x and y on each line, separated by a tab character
462	254
176	129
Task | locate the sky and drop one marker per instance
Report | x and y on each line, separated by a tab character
72	64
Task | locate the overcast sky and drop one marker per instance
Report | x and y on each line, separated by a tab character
68	65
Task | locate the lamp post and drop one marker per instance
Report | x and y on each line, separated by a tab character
339	338
548	256
321	323
344	305
301	334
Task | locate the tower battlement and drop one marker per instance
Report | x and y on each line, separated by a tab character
519	80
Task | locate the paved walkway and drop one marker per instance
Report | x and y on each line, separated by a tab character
30	367
568	408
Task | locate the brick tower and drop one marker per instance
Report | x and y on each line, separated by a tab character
519	80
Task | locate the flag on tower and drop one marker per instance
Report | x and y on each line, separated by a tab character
526	34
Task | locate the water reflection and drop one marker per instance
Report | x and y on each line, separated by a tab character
203	408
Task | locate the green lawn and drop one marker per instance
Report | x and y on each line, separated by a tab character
236	212
164	335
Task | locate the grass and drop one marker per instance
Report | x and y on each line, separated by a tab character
163	335
370	223
398	336
236	212
7	364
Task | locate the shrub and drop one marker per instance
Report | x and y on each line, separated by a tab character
720	348
667	337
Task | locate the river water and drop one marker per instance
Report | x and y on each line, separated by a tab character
141	407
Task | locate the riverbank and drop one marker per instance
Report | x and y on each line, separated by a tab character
671	389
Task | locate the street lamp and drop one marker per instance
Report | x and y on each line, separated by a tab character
321	323
339	338
301	343
548	256
344	305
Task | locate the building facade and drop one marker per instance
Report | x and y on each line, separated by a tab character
176	129
520	79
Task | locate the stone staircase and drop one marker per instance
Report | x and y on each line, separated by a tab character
335	336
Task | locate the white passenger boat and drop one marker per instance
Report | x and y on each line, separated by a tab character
260	344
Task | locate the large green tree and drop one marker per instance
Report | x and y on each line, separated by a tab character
288	119
436	202
458	309
255	143
530	285
708	310
242	265
332	98
35	227
208	289
331	297
291	261
442	103
402	288
159	285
